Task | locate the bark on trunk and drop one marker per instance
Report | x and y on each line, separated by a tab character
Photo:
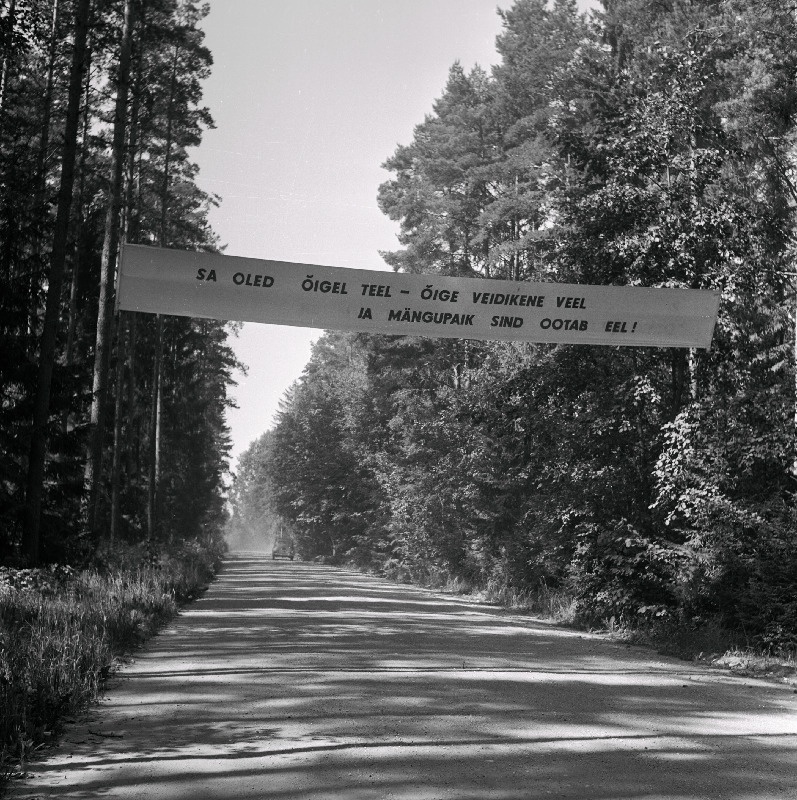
39	211
794	432
116	467
72	323
123	438
155	437
682	381
107	270
132	449
5	66
44	140
156	419
41	409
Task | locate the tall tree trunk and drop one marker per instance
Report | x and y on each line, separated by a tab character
116	466
41	408
132	203
71	329
107	269
155	433
133	449
39	210
5	65
44	140
126	341
681	380
156	422
794	432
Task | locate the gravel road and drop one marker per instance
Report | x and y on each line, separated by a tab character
304	682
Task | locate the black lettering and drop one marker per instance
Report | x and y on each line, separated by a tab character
570	302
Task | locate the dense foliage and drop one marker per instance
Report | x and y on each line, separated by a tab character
254	523
111	425
651	145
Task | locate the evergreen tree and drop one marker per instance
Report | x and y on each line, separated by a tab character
652	147
61	220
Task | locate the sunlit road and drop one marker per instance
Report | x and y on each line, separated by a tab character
304	682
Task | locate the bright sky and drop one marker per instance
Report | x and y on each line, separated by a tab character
309	98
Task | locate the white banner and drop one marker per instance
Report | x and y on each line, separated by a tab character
195	284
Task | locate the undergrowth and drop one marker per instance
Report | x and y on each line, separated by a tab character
691	639
555	604
62	629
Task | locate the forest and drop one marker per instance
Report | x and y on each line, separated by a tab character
649	144
113	439
112	426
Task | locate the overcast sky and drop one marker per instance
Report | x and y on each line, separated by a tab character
310	97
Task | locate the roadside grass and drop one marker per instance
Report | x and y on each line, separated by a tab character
63	631
708	642
556	605
704	640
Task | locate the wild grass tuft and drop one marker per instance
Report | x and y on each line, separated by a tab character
61	631
557	605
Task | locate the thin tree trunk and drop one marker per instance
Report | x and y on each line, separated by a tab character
159	431
134	420
44	140
116	466
107	269
156	421
132	183
168	153
154	427
41	408
133	423
126	341
794	440
5	66
681	381
71	329
41	173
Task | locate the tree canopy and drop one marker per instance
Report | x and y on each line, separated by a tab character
651	144
111	425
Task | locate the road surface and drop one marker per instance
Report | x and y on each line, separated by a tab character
303	682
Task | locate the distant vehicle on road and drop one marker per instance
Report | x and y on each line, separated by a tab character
283	548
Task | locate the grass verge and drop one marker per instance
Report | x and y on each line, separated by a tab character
62	632
706	641
700	639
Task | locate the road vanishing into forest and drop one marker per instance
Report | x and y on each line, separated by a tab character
305	682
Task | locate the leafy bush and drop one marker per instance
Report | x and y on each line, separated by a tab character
622	575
